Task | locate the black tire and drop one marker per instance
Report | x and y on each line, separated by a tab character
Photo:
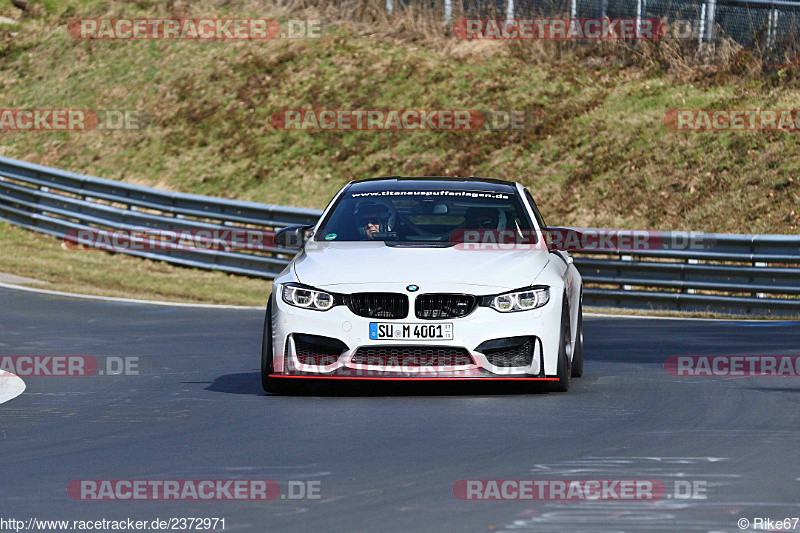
564	369
266	349
577	355
269	384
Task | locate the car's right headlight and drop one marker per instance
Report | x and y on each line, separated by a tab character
519	300
306	297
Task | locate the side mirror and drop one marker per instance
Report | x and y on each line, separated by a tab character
292	236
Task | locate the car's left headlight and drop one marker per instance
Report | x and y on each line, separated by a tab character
519	300
306	297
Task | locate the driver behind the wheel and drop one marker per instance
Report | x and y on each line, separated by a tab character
481	218
372	218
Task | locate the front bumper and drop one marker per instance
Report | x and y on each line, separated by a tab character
348	336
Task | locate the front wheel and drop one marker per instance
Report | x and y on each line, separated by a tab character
577	356
272	384
269	384
564	369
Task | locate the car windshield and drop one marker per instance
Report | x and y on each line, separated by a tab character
409	215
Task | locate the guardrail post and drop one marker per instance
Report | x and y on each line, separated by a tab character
625	258
751	247
689	261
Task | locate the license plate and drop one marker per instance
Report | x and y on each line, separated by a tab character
416	332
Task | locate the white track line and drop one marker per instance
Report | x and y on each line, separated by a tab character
11	386
126	300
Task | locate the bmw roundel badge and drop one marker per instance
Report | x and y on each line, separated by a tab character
412	288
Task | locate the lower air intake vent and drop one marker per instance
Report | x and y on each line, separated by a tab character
412	356
317	350
509	352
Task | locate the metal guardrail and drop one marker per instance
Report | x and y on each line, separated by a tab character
56	202
725	273
737	274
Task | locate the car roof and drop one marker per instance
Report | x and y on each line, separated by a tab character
432	182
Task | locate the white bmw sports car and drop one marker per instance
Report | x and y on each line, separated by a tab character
424	279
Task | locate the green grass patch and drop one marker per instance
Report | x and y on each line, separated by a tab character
45	258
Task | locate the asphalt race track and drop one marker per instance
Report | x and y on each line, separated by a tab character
387	458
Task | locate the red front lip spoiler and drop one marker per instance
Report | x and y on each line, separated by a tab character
410	379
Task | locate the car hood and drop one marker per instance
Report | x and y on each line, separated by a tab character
326	264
